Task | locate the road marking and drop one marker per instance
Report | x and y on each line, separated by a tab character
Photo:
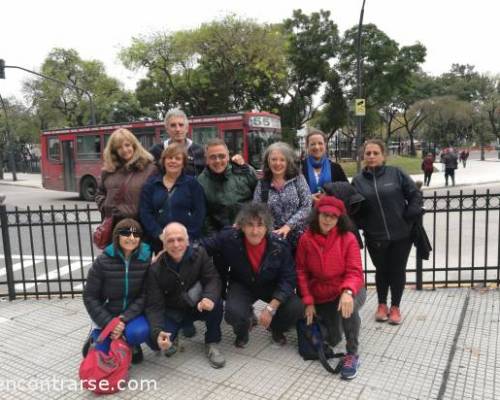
53	275
42	257
18	266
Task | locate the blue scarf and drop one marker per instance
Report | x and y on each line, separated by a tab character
324	177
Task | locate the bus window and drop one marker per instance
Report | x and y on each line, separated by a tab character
88	147
54	149
234	141
146	140
258	141
203	134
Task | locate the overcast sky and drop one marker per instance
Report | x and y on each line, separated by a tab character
453	31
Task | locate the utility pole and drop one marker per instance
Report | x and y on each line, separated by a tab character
360	105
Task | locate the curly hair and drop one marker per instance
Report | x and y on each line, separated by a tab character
292	169
254	211
112	161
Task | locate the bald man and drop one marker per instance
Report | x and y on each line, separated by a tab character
183	286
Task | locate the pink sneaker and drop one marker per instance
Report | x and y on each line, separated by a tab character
382	313
394	316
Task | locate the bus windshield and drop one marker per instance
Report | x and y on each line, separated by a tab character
258	140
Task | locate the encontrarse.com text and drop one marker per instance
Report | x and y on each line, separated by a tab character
71	385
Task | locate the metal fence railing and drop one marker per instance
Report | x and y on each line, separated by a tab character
47	252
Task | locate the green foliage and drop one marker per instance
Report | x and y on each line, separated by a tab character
411	165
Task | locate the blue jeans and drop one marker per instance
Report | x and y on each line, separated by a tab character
174	320
136	332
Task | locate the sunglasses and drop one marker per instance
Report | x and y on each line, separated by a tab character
128	232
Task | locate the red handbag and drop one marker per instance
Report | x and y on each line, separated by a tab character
103	234
106	373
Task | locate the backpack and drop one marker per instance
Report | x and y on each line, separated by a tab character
103	373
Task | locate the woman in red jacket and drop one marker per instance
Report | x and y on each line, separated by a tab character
330	277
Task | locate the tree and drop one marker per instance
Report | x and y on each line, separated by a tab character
57	105
387	69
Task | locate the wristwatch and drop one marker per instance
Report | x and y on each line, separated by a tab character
349	292
271	310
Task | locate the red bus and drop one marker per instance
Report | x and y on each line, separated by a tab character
72	157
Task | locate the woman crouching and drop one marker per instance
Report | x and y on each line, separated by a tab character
330	277
115	287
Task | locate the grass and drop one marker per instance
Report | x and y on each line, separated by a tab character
411	165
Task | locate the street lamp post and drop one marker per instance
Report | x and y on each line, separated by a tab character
12	161
91	102
359	67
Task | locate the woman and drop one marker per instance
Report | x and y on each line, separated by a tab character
317	168
127	166
428	168
391	206
330	277
115	287
285	191
172	197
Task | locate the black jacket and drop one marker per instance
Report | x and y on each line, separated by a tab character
114	288
338	174
392	203
276	278
195	161
164	286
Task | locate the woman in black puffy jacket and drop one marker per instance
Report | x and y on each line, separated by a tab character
392	204
115	287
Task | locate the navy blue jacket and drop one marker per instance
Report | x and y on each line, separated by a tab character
276	278
185	204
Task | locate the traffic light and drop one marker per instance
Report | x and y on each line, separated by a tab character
2	69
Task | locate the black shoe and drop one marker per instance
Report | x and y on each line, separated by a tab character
137	356
278	337
86	346
241	340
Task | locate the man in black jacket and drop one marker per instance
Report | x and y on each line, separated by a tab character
259	266
183	286
177	124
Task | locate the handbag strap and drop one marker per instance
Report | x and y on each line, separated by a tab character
318	344
108	329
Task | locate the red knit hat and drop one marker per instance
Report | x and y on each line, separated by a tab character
331	205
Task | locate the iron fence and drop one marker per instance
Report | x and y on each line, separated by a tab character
47	252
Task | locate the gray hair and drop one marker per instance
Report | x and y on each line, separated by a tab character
291	160
176	112
255	211
177	225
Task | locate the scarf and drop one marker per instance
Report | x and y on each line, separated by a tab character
325	175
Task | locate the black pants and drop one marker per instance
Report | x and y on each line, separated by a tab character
239	310
390	258
335	324
449	172
427	177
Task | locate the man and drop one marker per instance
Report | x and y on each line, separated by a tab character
450	161
260	266
176	125
182	287
227	185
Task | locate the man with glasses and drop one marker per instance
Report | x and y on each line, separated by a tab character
227	186
177	124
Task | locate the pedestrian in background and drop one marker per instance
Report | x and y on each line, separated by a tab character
428	168
450	161
391	206
464	155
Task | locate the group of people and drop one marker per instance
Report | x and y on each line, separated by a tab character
450	159
198	237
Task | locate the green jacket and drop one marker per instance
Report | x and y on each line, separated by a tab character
226	193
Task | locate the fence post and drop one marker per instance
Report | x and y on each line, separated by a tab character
419	271
4	220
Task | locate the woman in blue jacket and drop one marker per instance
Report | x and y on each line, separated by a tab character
172	197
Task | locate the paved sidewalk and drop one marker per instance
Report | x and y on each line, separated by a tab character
476	172
448	347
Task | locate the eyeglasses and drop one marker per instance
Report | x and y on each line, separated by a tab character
128	232
215	157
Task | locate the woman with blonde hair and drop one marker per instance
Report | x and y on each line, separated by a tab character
127	166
